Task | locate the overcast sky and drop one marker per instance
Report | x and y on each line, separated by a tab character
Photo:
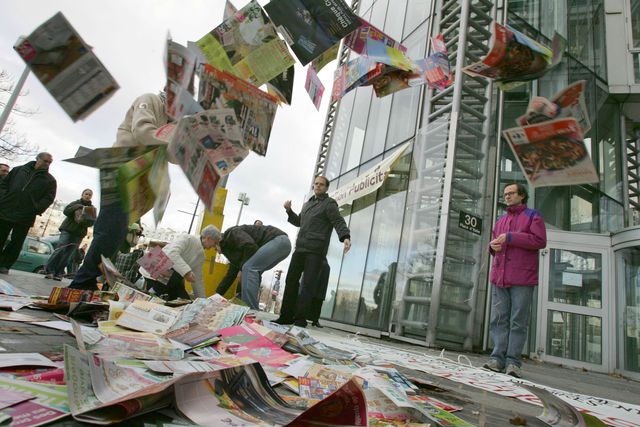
129	37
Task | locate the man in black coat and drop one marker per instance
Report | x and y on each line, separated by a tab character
4	171
318	217
80	215
252	249
27	191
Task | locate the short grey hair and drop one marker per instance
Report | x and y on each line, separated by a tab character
43	154
212	232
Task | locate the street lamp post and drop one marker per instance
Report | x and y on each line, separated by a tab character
244	200
193	214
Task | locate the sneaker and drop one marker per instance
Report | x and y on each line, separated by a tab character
514	371
4	270
48	276
302	323
283	321
58	278
493	365
316	324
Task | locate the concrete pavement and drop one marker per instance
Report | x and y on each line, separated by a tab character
480	407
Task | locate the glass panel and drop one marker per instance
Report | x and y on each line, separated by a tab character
609	150
420	230
348	295
635	23
630	329
339	137
575	278
574	336
364	6
395	20
380	271
580	18
334	258
599	39
378	13
376	127
417	12
404	108
355	138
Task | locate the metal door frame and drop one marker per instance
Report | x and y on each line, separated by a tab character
582	242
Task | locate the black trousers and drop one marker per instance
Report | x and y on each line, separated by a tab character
296	301
173	289
10	253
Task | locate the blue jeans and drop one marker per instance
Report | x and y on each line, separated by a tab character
510	311
67	245
265	258
109	231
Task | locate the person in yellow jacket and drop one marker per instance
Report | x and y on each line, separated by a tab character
142	120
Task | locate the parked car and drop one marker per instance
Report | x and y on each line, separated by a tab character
34	255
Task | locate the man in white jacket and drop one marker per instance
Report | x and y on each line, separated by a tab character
187	254
145	116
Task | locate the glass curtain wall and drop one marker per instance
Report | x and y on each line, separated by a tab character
594	208
366	130
628	261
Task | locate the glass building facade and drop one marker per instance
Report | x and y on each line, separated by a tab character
414	272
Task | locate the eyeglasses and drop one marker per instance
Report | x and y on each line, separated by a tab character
511	193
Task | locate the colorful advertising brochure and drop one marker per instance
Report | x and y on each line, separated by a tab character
552	153
346	406
207	145
14	303
247	45
123	394
326	57
239	396
265	63
10	398
180	63
244	31
108	160
282	86
67	295
354	73
145	316
380	52
214	312
67	67
254	109
311	27
357	40
434	70
515	58
48	402
11	316
314	87
138	192
193	335
155	261
569	102
214	53
8	289
244	341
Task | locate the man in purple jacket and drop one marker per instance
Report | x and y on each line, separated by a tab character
517	237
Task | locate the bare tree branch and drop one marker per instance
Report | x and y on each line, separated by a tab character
13	144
